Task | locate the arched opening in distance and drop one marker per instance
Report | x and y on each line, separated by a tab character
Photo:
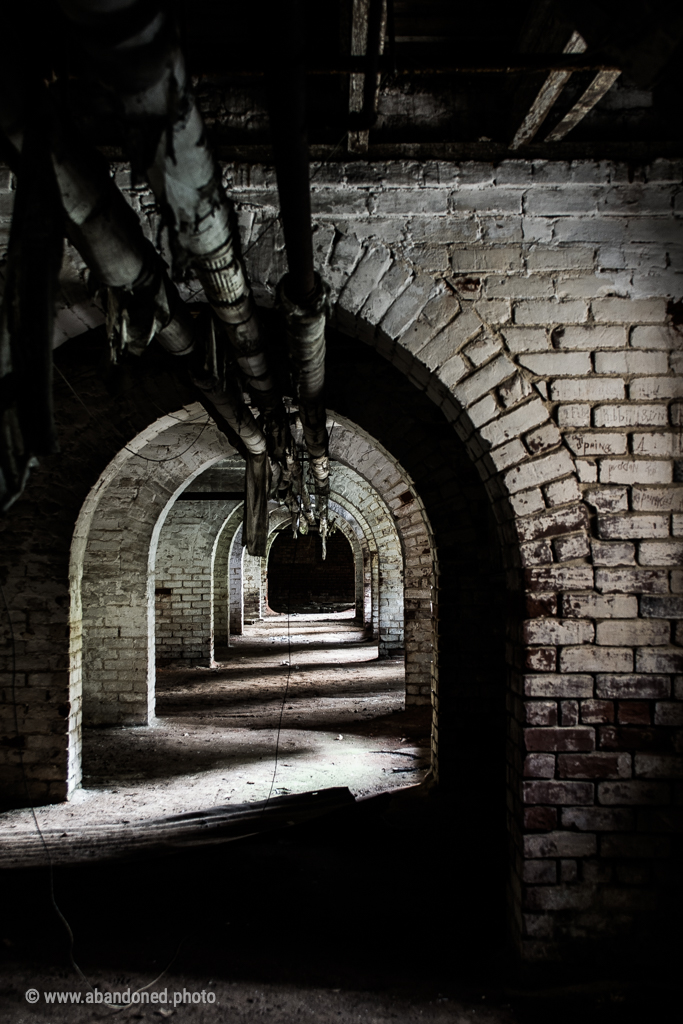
424	506
190	651
300	580
406	494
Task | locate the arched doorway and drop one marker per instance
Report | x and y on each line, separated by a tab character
300	580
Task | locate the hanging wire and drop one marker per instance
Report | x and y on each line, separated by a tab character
146	458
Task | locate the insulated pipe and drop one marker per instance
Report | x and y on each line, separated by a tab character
107	233
301	295
286	89
142	302
137	49
306	342
138	52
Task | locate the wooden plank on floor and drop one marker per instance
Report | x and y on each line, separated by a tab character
25	849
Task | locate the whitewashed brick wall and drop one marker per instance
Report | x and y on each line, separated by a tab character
223	596
538	305
113	566
184	625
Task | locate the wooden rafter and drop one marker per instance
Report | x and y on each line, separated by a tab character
551	89
368	29
358	140
602	82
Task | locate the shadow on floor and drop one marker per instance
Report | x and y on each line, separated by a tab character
401	898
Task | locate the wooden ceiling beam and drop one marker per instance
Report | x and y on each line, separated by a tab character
357	141
601	84
547	96
368	30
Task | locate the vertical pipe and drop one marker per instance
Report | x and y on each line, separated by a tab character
302	296
286	89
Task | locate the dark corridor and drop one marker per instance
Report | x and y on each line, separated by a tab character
301	581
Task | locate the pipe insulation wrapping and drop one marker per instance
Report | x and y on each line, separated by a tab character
306	342
227	290
101	224
185	180
141	58
142	61
142	300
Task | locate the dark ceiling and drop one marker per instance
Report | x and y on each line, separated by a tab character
444	84
455	80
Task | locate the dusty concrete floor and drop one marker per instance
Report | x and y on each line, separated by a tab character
238	1001
342	718
390	910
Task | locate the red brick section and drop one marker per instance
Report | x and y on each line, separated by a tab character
597	736
601	802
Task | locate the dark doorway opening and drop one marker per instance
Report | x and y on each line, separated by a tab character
299	580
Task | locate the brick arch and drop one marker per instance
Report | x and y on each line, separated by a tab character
351	529
193	605
220	559
229	552
402	509
348	522
191	571
498	406
385	561
356	538
495	404
112	564
235	569
375	539
371	558
563	563
353	534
